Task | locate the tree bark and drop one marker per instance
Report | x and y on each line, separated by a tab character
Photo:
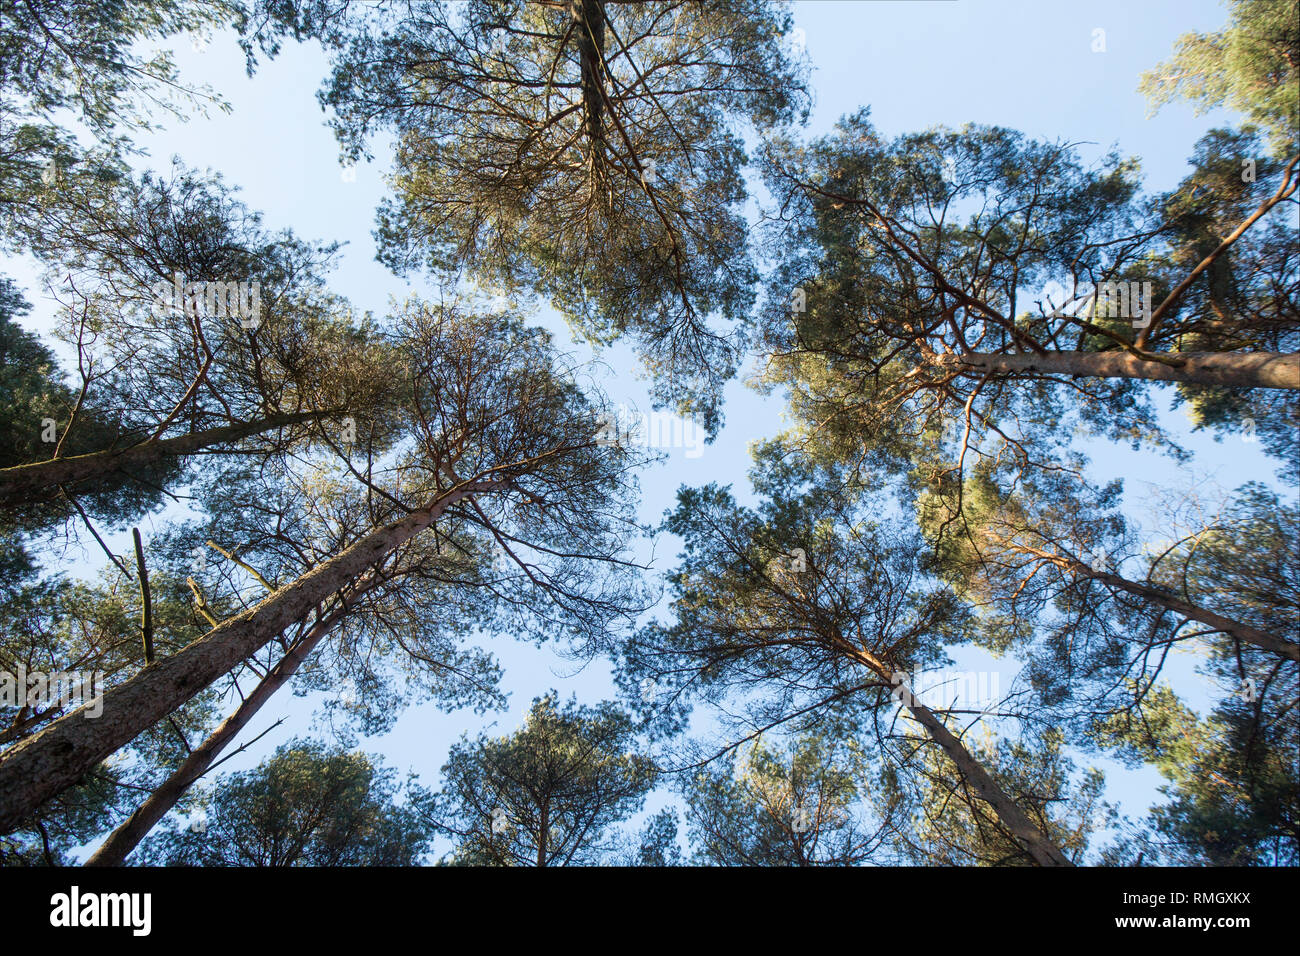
1043	850
57	757
19	483
1229	369
1040	847
1244	632
542	834
123	841
1194	612
589	28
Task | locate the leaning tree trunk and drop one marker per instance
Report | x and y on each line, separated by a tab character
122	841
1228	369
1234	628
1041	848
54	759
20	483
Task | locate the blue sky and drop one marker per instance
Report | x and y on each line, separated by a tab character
1029	65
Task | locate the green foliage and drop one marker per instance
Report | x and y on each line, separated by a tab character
910	251
1245	563
1252	66
1247	299
797	599
946	827
83	56
37	417
656	845
54	625
586	151
307	805
803	804
559	785
592	155
99	62
1232	793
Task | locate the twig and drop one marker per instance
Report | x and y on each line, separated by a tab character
118	562
146	614
202	602
247	567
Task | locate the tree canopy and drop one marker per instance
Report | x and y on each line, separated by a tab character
233	490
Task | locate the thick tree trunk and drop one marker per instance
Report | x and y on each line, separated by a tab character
1042	849
1229	369
589	29
49	762
20	483
122	841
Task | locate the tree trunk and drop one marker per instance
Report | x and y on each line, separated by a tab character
122	841
49	762
1042	849
543	833
589	29
19	483
1244	632
1229	369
